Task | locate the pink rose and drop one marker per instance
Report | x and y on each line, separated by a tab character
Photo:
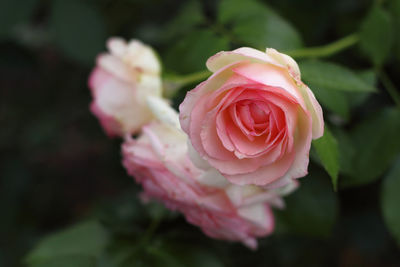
120	83
253	119
159	161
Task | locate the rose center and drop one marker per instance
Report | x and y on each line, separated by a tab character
259	116
254	117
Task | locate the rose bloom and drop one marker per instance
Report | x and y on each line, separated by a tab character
253	119
159	161
120	83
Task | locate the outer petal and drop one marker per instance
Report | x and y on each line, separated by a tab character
271	56
116	67
163	111
302	146
315	111
110	125
115	99
117	46
311	103
264	175
142	57
285	61
225	58
259	215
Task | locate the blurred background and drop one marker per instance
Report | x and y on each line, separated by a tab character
58	169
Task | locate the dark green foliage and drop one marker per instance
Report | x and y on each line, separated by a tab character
65	199
191	52
311	211
78	29
390	199
375	145
81	244
257	25
328	153
14	14
376	35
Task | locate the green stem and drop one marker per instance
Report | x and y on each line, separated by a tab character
390	87
325	50
193	77
151	229
174	83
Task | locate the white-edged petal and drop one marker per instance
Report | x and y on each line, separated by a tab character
163	111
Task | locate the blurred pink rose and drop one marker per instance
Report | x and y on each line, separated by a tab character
159	161
120	83
253	119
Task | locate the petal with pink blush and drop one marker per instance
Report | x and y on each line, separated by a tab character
213	83
290	110
211	142
270	75
111	126
243	147
221	122
265	174
302	146
115	97
203	138
121	82
201	112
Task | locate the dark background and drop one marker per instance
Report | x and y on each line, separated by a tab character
57	166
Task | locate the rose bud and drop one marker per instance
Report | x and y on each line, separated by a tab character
120	83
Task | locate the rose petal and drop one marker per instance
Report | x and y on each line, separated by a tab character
270	75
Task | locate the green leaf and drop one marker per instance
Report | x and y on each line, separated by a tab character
192	255
333	100
78	29
199	257
376	35
68	261
395	9
311	210
328	153
376	143
231	10
331	76
190	16
156	210
347	151
356	99
368	76
190	53
86	239
162	258
257	25
390	199
13	13
161	251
